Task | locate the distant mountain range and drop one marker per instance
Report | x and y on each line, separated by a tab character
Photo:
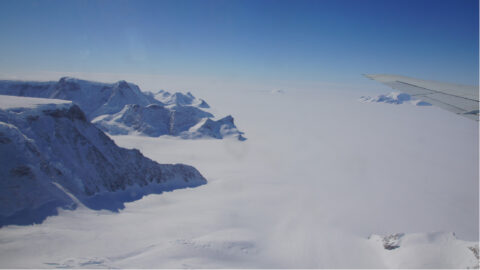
122	108
52	156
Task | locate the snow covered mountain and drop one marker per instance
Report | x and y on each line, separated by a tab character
185	121
215	129
94	98
122	108
53	157
305	191
180	99
437	249
394	98
153	120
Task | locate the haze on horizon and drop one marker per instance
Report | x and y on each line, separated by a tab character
182	45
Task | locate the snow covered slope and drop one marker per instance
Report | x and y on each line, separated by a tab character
180	99
188	122
122	108
319	173
153	120
394	98
436	250
216	129
94	98
181	116
52	156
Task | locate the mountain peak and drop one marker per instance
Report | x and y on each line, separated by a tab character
122	84
68	83
65	79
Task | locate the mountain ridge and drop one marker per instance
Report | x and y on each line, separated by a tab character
105	103
50	144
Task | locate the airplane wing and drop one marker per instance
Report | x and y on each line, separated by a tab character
459	99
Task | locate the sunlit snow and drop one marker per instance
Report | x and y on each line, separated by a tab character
320	177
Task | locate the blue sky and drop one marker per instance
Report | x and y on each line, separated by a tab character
313	41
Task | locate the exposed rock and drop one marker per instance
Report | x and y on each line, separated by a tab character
392	241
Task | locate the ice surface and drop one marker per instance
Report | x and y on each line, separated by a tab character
319	173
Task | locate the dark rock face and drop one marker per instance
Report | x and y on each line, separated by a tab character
203	104
60	159
72	113
392	241
64	84
21	171
122	84
474	250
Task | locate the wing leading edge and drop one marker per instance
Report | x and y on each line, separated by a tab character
459	99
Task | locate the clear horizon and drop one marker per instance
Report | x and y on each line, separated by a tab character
251	44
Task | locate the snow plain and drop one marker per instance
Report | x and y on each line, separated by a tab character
319	174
